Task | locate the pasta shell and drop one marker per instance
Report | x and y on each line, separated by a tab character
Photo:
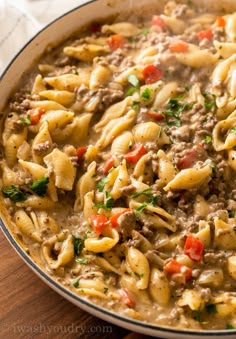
125	29
159	287
150	131
26	226
86	52
122	144
60	164
189	178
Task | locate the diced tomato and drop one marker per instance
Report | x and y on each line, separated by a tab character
193	248
135	154
174	267
80	152
151	74
108	165
95	27
158	21
114	218
220	21
116	41
206	34
126	298
178	47
98	222
35	115
188	160
155	115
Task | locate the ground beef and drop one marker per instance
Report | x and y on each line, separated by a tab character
127	223
42	148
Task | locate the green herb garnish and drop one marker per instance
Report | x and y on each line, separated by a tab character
135	104
148	193
233	130
133	80
105	289
146	94
231	213
175	108
145	31
107	205
141	207
76	283
101	184
211	308
26	120
197	315
79	243
40	186
82	261
229	327
14	193
139	275
209	100
207	139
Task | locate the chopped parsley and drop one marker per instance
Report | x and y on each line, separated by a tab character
174	108
79	243
207	139
229	327
133	80
107	205
135	104
211	308
233	130
141	207
146	94
101	184
14	193
105	289
231	213
139	275
26	120
197	315
145	31
40	186
209	100
76	283
82	261
148	193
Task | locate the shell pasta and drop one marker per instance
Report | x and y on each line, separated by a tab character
118	166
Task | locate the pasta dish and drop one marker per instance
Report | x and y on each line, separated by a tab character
118	166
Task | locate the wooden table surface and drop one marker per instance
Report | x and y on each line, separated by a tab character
30	309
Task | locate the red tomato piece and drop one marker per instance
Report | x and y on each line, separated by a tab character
178	47
35	115
114	218
151	74
98	222
220	21
206	34
193	248
188	160
158	21
108	165
116	41
174	267
80	152
126	298
155	115
135	154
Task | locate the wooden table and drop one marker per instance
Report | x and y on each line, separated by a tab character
30	309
